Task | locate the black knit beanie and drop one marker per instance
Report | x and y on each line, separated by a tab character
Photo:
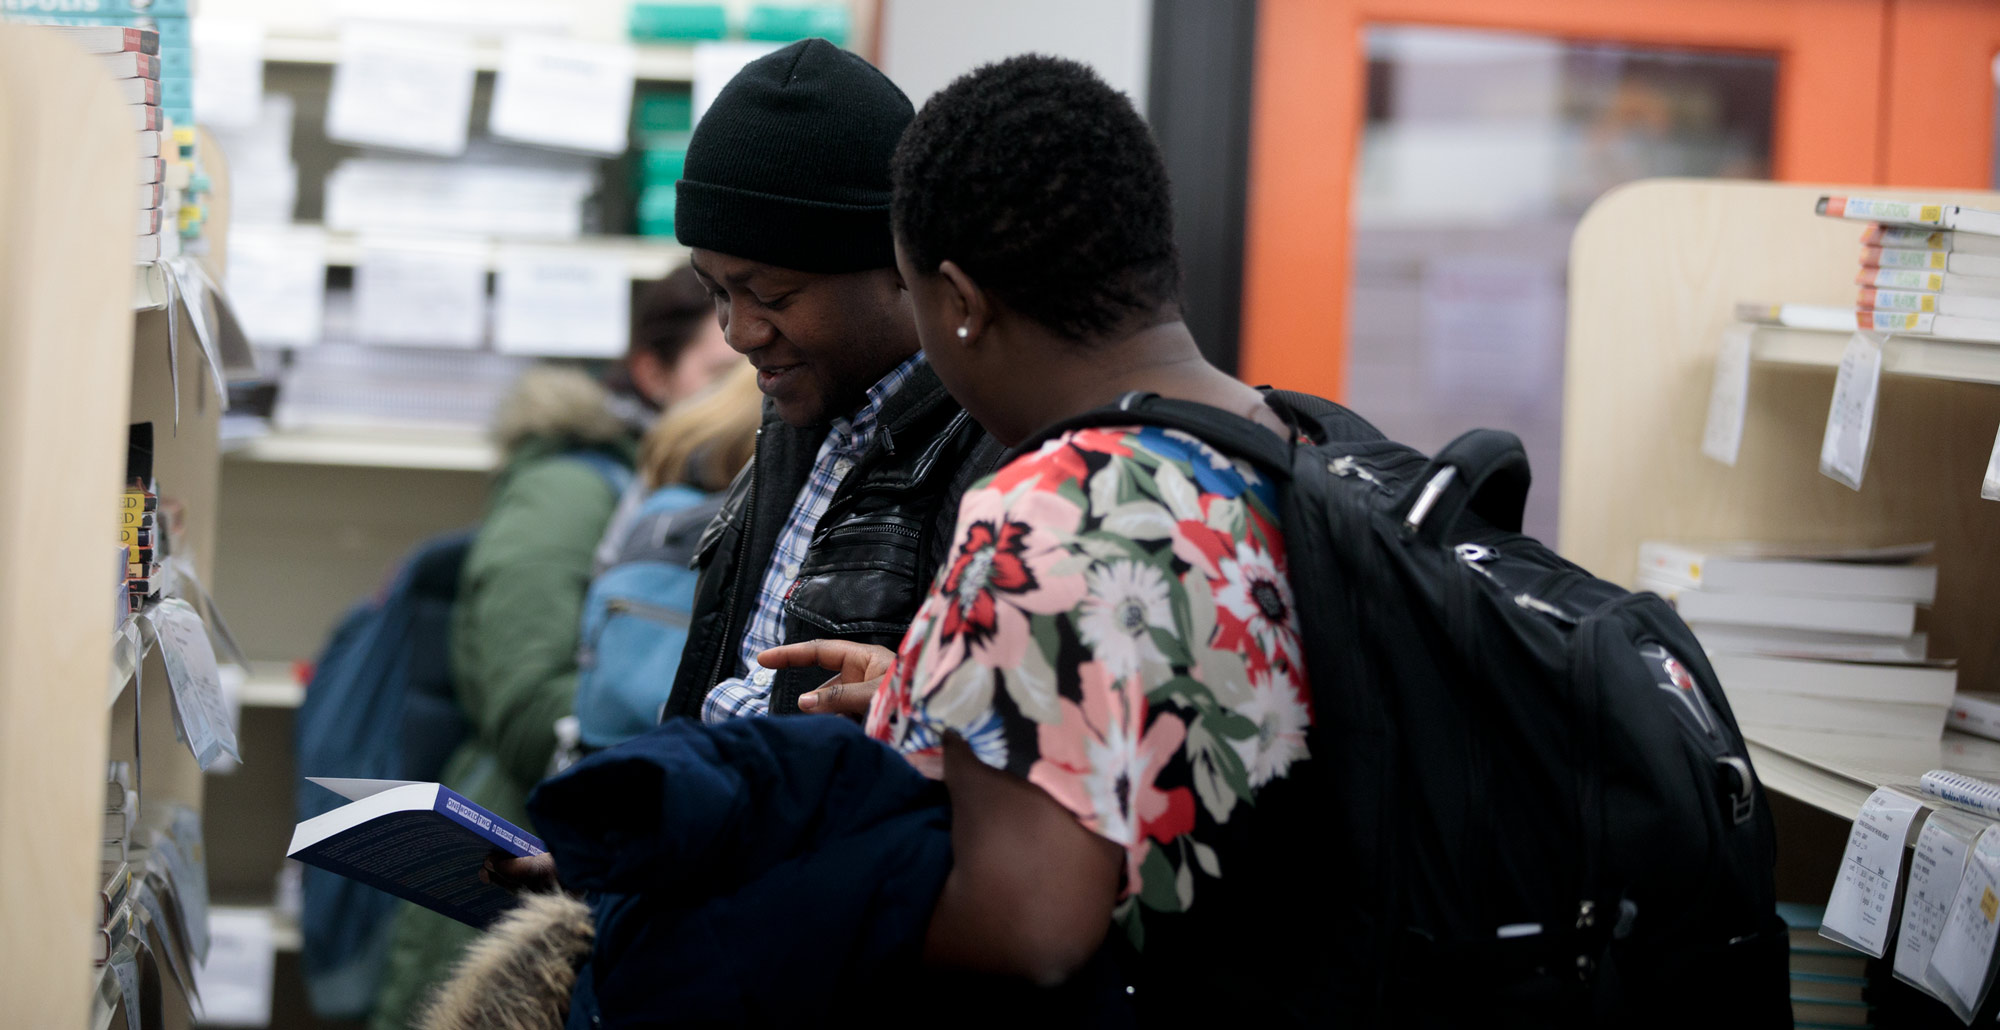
790	165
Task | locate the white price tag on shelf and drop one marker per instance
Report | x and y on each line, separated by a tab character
1861	911
194	680
564	93
228	71
555	301
236	980
277	283
1937	864
401	88
1989	487
1850	419
420	295
1961	968
1728	396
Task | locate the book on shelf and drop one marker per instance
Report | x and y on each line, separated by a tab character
1947	327
1717	637
130	65
139	91
149	221
1899	720
1930	683
1976	712
110	39
145	117
1797	316
1929	303
149	143
151	169
1929	281
1907	238
1892	619
150	195
1931	261
1967	792
1767	568
422	842
111	931
1912	214
112	894
148	247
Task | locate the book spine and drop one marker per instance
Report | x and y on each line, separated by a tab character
1868	209
1896	321
458	808
1962	790
1895	257
1975	716
1907	238
1898	300
145	117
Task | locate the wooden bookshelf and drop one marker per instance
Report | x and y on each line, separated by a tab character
1655	271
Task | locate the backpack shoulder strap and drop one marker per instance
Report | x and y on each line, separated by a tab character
1226	431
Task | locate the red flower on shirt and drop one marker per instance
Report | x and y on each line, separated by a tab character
989	561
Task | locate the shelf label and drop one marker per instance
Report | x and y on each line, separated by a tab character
420	294
566	93
401	88
228	71
1989	488
1861	911
1937	864
277	283
1961	968
1729	396
1850	419
558	301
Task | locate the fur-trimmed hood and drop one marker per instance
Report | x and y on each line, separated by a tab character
554	402
518	976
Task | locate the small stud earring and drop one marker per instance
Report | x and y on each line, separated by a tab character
964	333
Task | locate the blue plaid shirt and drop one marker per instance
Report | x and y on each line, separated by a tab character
847	440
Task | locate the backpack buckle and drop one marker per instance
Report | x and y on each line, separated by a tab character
1739	788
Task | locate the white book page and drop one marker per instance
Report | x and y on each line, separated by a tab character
1860	911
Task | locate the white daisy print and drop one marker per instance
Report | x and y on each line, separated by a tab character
1125	602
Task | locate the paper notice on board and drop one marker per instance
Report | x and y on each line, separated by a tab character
564	93
420	294
1850	419
277	283
1961	967
1937	864
715	63
1728	396
1861	911
194	680
556	301
228	71
1989	488
401	88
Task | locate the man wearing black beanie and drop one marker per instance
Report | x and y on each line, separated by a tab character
839	524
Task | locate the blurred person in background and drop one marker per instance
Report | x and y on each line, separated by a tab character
568	445
635	618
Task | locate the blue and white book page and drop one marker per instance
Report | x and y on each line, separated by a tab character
421	842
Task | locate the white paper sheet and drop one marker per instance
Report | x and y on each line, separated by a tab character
236	980
1962	966
1850	419
420	294
401	88
715	63
354	789
1937	864
1728	396
228	71
193	679
556	301
1989	487
564	93
1860	913
277	283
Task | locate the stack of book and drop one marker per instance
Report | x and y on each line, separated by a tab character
662	120
1829	980
149	48
114	914
1927	269
139	520
1811	638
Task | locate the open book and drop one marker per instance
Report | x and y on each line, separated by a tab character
422	842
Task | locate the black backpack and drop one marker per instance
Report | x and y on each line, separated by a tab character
1539	810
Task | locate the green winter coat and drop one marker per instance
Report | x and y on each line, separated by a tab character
514	633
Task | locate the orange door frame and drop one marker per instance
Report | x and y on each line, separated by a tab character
1308	108
1938	101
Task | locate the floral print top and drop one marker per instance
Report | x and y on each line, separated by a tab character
1115	625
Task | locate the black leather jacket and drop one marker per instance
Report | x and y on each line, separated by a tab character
872	557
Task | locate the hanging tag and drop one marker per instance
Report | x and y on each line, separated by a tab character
199	292
194	680
1937	864
1861	911
232	345
1989	488
1961	968
173	339
1729	396
125	966
1850	420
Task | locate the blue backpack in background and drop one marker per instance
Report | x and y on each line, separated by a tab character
635	617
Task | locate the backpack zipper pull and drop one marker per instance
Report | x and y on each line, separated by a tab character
1345	466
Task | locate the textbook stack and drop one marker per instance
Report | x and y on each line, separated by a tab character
1927	269
1811	638
145	45
1829	980
139	520
114	914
